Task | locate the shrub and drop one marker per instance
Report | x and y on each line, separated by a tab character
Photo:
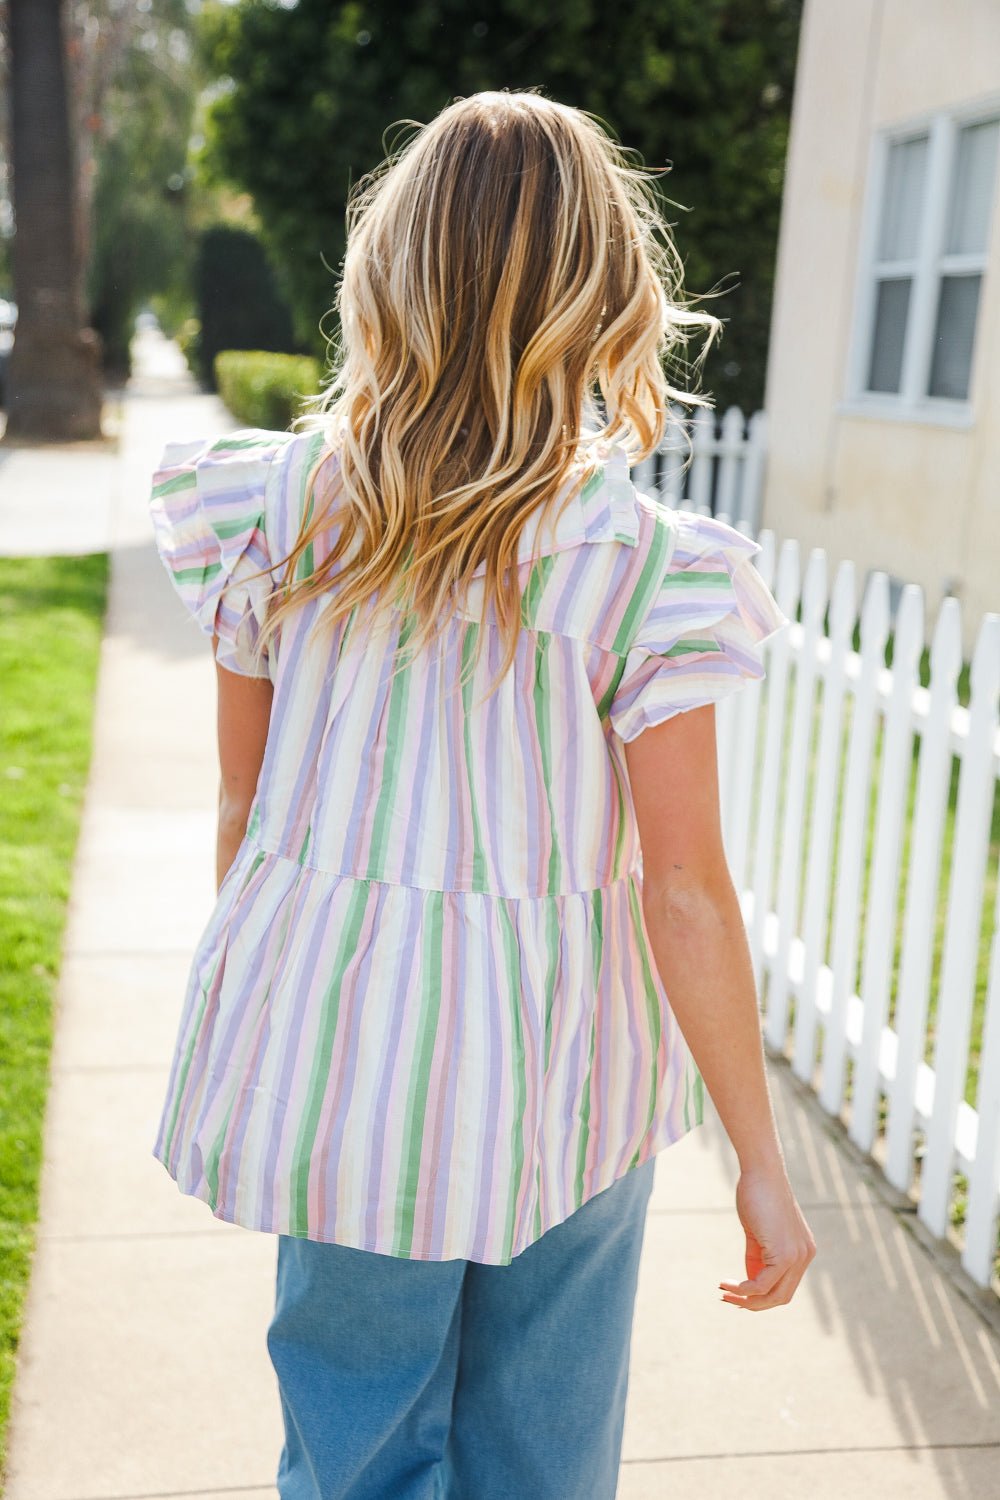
238	302
263	389
188	337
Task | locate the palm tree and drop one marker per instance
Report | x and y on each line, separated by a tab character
54	377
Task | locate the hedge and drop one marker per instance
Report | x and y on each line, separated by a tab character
265	390
238	303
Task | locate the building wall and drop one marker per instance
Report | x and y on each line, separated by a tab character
920	501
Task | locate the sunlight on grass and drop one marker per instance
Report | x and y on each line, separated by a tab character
51	612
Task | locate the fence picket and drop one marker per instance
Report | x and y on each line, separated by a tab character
965	894
751	487
930	808
699	485
814	599
786	592
850	856
731	452
880	916
814	919
984	1174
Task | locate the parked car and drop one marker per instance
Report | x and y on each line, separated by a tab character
8	318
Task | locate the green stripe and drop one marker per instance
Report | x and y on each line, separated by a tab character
606	700
597	955
432	976
518	1065
224	530
542	694
584	1138
307	562
684	648
699	1095
197	575
652	1005
624	823
260	440
552	933
535	588
650	580
479	881
399	695
185	1069
695	580
188	480
594	483
319	1078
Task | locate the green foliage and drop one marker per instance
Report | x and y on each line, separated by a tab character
51	611
140	241
188	336
237	299
266	390
308	93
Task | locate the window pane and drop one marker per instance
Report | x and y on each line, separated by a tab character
972	188
953	337
906	170
892	303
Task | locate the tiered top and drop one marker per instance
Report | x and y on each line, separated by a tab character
424	1018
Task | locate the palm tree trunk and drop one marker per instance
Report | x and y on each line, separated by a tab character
53	377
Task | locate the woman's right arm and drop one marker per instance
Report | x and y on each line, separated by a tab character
696	931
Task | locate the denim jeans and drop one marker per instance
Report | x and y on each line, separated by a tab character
452	1380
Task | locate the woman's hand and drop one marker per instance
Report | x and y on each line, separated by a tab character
779	1242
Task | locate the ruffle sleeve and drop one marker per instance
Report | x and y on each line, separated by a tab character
208	510
699	638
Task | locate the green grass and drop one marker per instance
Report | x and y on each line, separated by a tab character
51	615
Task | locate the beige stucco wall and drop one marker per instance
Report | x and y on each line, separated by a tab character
918	500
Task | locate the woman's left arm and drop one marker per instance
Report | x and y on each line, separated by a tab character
244	714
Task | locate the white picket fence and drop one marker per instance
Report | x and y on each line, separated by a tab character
709	463
843	950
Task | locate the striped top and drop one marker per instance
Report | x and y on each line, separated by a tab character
424	1017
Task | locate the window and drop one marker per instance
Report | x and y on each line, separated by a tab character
927	247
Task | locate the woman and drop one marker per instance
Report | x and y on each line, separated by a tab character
476	946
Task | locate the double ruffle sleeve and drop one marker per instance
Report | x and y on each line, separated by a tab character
698	640
209	520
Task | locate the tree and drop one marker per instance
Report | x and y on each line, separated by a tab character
53	377
309	88
140	240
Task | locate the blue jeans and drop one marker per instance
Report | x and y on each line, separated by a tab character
452	1380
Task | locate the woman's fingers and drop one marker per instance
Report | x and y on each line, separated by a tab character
780	1294
773	1288
762	1283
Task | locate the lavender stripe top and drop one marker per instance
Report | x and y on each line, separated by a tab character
424	1018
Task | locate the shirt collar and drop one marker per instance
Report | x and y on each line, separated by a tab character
601	510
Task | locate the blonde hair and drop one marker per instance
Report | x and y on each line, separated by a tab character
503	269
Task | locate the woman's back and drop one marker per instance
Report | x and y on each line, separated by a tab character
433	925
426	1017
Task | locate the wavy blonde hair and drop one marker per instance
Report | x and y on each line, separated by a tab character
504	269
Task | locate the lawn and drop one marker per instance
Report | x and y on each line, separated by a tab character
51	614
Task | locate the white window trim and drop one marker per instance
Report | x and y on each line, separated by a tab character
911	403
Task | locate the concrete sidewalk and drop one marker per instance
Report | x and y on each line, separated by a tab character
143	1370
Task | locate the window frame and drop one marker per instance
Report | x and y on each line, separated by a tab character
928	269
